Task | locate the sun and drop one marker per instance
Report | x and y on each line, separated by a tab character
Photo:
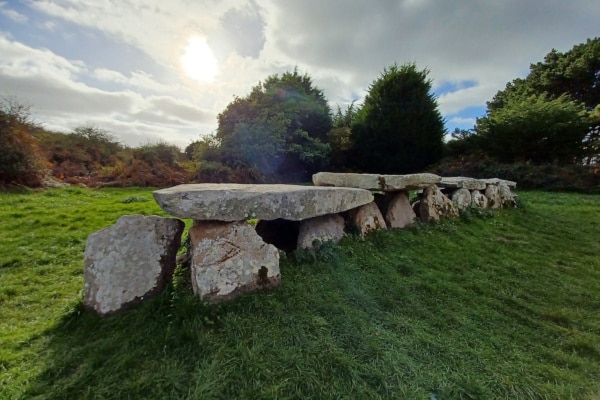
198	60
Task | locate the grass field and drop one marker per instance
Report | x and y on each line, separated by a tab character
502	305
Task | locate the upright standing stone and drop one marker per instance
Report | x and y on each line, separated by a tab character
324	228
493	196
478	200
399	212
229	258
462	198
506	196
367	218
434	205
129	261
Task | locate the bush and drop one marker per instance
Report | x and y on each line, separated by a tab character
20	160
554	177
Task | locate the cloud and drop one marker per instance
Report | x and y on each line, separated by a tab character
462	121
54	86
12	14
471	48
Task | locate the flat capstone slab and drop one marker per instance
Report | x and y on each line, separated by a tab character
463	182
384	183
236	202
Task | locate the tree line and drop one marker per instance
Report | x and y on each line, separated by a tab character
284	131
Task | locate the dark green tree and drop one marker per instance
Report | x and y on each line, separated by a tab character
340	136
555	95
281	128
399	128
536	128
575	72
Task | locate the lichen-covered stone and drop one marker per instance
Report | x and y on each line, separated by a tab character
230	258
462	198
384	183
398	212
478	200
236	202
367	218
434	205
322	229
506	196
129	261
462	182
496	182
493	196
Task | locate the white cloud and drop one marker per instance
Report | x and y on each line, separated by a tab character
12	14
343	46
462	121
60	99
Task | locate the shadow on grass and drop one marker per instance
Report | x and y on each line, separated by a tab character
152	351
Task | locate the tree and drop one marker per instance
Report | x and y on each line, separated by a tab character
558	95
575	72
340	136
399	128
536	128
20	160
281	128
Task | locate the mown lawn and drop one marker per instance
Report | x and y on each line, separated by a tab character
492	305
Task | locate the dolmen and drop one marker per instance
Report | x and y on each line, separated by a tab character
239	230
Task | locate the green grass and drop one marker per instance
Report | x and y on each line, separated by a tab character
497	305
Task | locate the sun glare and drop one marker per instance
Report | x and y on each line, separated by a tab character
198	60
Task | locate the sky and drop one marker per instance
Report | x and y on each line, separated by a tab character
151	71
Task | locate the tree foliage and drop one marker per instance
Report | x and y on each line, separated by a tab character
399	128
549	116
20	160
575	73
281	128
536	128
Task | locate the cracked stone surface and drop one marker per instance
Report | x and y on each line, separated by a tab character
434	205
493	196
506	196
129	261
478	200
462	182
236	202
384	183
230	258
367	218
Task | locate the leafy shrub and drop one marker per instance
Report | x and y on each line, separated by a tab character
20	160
554	177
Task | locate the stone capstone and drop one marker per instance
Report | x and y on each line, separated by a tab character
462	198
322	229
384	183
230	258
478	200
129	261
367	218
462	182
236	202
493	196
434	205
399	213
